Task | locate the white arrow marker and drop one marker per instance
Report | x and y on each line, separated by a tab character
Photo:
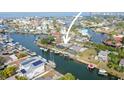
66	38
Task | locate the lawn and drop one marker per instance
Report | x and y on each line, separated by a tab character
88	55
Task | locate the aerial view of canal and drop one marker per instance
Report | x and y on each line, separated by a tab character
63	65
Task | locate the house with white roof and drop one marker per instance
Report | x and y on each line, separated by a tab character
32	67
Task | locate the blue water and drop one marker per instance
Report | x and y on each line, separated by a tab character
43	14
47	14
64	65
96	37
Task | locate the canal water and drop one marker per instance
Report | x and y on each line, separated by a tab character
63	65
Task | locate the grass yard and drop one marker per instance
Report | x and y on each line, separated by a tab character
88	55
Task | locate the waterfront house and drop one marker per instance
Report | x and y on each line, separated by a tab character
114	43
103	56
77	48
81	39
118	38
121	62
32	67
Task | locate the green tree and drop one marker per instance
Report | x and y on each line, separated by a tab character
2	76
119	68
121	53
21	78
110	65
2	60
103	47
120	25
9	71
67	76
113	58
47	40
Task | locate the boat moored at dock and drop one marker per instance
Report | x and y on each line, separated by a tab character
102	72
57	52
33	54
44	49
51	64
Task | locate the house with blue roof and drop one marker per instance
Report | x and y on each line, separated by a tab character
32	67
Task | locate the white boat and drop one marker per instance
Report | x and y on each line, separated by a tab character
51	50
6	41
41	48
45	49
17	43
51	63
56	52
27	50
36	39
20	48
10	40
43	59
33	54
66	55
24	48
102	72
